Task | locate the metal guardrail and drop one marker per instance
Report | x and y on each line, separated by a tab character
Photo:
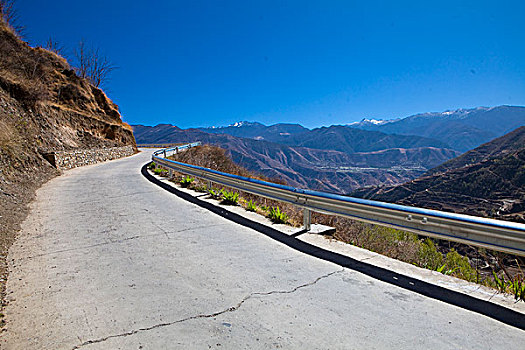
492	234
157	145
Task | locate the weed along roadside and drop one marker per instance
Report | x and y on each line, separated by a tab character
486	268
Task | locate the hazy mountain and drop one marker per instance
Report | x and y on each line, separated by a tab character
487	181
462	129
258	131
350	140
327	170
336	137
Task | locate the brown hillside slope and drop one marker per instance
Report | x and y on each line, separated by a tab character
488	181
316	169
44	107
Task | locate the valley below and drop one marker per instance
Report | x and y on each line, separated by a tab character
317	168
387	160
419	160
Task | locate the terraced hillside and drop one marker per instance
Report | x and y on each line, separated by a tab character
487	181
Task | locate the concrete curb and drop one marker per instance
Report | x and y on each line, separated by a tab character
432	284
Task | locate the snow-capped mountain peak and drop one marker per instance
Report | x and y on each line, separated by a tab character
242	123
367	121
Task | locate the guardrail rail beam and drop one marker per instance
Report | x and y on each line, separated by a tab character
492	234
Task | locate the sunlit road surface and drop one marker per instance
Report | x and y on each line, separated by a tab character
108	260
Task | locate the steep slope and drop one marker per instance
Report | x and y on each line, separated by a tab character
487	181
498	148
326	170
44	107
462	129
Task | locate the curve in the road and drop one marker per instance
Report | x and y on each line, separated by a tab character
108	260
486	308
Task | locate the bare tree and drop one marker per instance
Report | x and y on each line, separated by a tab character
10	16
92	65
54	46
81	55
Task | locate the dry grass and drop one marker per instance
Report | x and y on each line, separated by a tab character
9	138
127	126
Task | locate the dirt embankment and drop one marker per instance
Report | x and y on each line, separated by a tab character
44	107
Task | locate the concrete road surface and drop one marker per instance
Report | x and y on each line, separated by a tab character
108	260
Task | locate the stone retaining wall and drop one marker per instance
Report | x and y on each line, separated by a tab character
72	159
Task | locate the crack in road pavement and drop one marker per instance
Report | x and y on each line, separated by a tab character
163	233
105	199
230	309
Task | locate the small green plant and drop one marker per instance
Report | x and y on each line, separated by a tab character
160	171
460	267
186	181
518	288
430	257
444	271
251	206
229	197
277	216
214	193
152	166
200	188
501	284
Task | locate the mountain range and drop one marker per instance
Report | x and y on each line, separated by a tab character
461	129
336	137
487	181
343	158
363	158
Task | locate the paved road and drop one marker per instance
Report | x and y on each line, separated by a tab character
108	260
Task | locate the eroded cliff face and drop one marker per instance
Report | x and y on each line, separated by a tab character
44	107
67	111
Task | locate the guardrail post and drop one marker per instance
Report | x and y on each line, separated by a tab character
208	185
170	174
307	219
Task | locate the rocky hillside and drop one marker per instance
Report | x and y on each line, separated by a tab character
318	169
44	107
487	181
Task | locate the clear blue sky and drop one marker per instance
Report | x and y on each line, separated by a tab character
203	63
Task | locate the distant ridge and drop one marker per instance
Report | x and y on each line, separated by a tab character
258	131
336	137
487	181
461	129
342	158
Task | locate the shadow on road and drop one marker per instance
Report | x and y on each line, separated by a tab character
497	312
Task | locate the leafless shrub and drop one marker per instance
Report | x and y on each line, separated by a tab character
92	64
10	16
54	46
